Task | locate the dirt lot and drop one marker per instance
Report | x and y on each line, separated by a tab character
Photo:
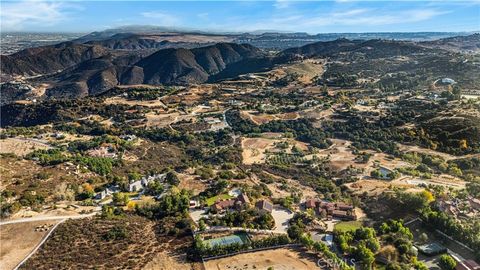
262	118
307	70
17	240
189	182
376	187
279	259
414	148
21	146
146	103
254	149
278	192
164	119
445	180
169	258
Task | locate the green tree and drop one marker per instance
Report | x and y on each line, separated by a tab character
447	262
120	199
295	232
172	178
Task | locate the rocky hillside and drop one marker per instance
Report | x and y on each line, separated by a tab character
188	66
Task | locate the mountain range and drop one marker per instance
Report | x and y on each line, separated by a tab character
75	69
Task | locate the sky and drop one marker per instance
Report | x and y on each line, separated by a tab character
240	16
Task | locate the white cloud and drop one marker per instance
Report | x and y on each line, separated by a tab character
160	18
33	13
280	4
203	16
347	17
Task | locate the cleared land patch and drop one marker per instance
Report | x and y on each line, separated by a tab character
255	149
19	239
279	259
21	146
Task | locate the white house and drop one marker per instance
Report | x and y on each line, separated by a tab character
142	183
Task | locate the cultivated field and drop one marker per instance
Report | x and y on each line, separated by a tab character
18	240
279	259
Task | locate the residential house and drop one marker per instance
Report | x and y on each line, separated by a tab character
223	205
344	206
343	215
241	202
243	199
264	205
107	192
212	120
143	183
135	186
338	210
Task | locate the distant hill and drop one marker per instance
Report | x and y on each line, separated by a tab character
371	48
167	66
49	59
130	41
188	66
469	43
75	70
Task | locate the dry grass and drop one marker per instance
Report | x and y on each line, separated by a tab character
254	150
165	119
262	118
21	146
377	187
306	69
18	240
190	182
146	103
279	259
81	244
52	179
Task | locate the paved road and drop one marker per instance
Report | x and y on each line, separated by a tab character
42	218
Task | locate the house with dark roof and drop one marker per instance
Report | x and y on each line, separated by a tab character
343	206
264	205
338	210
343	215
242	198
241	202
223	205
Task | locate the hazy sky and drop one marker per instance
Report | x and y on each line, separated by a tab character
311	17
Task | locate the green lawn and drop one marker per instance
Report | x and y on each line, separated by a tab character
345	226
213	199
